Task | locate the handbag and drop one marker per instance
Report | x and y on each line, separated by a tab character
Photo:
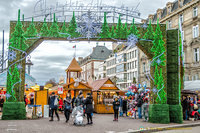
55	102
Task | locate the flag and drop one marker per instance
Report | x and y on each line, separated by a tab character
74	46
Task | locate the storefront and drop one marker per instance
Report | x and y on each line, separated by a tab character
103	92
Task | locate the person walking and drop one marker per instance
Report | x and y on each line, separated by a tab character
125	106
60	105
89	108
185	106
25	100
67	109
54	106
139	105
116	108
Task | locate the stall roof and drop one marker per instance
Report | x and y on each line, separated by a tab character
88	86
74	66
96	85
192	85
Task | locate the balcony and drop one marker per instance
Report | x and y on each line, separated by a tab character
195	64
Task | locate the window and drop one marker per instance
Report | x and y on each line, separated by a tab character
133	54
182	33
144	67
195	11
195	31
196	77
181	18
169	24
135	64
196	54
169	10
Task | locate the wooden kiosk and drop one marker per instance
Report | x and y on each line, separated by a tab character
103	92
74	84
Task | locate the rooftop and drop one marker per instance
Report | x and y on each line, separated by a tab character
74	66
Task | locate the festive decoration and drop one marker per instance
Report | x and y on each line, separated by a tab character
72	27
133	29
132	40
54	29
158	48
119	29
89	29
156	76
161	95
31	30
149	35
12	55
125	31
63	31
44	30
17	37
105	33
113	32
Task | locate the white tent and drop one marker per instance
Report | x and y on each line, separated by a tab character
192	85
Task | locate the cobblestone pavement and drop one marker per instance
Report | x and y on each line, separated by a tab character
103	123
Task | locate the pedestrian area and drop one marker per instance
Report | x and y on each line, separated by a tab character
103	123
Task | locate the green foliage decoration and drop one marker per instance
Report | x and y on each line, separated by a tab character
54	29
149	35
44	30
72	27
17	37
31	30
64	30
119	29
105	33
133	29
125	31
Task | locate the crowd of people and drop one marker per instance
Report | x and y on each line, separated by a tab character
131	107
78	106
188	104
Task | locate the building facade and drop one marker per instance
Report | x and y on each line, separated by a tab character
122	67
187	12
90	64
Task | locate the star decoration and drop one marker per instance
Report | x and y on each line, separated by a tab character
11	55
158	61
154	90
132	40
19	67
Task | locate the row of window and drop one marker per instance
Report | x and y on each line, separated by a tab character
131	75
194	77
132	54
111	71
131	65
111	62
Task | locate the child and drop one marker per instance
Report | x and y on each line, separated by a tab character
116	108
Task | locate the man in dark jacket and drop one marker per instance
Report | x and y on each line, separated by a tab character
67	106
125	106
89	108
116	108
54	106
1	103
185	106
139	105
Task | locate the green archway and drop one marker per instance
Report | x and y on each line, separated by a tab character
161	47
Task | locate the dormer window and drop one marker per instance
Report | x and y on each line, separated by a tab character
195	11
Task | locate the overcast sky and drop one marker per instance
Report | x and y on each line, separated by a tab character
51	58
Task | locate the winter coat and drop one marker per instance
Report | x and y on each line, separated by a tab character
185	104
124	105
31	101
67	102
139	102
51	104
120	102
1	102
79	101
89	105
116	105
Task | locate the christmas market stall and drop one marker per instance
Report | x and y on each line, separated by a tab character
74	83
103	92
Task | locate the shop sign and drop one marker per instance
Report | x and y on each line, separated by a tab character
60	89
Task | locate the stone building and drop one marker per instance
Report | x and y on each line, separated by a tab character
90	64
187	12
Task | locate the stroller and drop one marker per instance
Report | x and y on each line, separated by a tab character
77	114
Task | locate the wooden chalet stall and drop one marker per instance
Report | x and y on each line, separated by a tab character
74	84
103	92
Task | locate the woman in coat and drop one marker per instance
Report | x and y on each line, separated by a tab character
67	102
53	107
89	108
